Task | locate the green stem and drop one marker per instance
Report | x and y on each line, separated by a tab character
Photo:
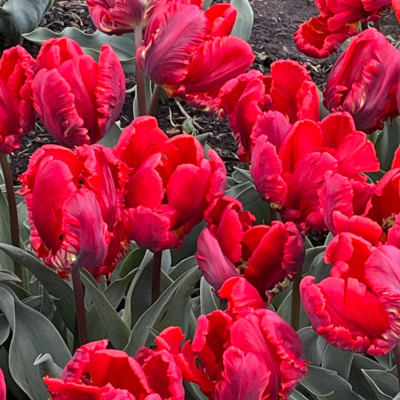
12	209
156	280
139	74
272	214
80	307
377	25
154	100
296	300
397	360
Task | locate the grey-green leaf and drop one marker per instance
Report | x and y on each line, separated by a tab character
123	45
33	334
383	383
244	20
50	280
116	329
21	16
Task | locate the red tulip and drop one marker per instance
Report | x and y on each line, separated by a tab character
266	105
337	21
74	201
17	116
362	278
363	83
190	52
292	180
120	16
98	373
315	39
3	388
246	347
77	99
268	256
170	183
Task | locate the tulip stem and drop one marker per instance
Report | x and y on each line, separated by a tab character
296	300
12	209
272	214
377	25
80	307
156	281
154	100
139	74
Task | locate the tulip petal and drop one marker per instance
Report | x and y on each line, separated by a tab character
246	376
54	102
214	264
347	315
181	30
315	39
149	229
110	90
266	170
86	235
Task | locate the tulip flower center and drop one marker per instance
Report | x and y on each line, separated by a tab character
242	266
389	222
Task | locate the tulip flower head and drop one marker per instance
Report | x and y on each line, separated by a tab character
258	105
77	99
363	277
363	83
120	16
247	349
190	52
95	372
292	178
170	184
267	256
17	116
74	201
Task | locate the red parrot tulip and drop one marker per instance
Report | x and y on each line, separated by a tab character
95	372
338	20
267	105
190	52
246	347
74	203
363	83
170	183
268	256
17	116
120	16
77	99
364	278
292	179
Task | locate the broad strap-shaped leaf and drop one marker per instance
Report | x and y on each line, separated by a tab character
22	16
33	334
117	330
91	44
54	285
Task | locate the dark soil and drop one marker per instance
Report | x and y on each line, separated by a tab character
274	25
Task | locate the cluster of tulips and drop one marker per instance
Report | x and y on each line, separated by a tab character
153	190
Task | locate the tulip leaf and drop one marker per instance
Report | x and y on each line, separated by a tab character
111	138
208	300
297	396
154	315
311	254
132	261
182	267
192	391
337	360
5	261
114	294
189	245
138	299
242	175
244	20
324	383
285	312
383	383
21	16
123	45
314	345
117	331
357	378
47	367
387	142
50	280
4	329
33	334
